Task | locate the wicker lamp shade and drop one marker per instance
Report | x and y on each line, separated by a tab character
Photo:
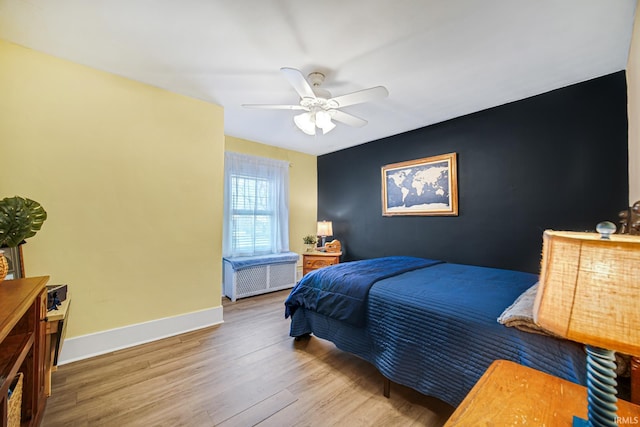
589	289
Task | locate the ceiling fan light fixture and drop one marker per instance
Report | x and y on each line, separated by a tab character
321	109
328	127
306	123
323	121
323	118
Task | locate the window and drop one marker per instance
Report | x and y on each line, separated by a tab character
256	206
252	214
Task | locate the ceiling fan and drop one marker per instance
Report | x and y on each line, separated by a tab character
318	105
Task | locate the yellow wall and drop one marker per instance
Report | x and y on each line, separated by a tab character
131	177
303	187
633	84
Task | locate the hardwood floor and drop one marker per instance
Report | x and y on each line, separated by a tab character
245	372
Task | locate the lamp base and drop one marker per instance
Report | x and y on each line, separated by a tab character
601	387
579	422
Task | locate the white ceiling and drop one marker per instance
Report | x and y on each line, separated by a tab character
438	59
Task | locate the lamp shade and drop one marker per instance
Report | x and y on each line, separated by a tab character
589	289
323	121
316	117
325	228
305	123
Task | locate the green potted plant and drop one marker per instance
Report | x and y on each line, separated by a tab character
310	240
20	219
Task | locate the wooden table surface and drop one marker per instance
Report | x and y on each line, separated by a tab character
509	394
61	312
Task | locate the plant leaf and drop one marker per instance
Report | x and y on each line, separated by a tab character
20	219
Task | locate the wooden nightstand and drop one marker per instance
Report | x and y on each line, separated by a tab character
55	331
315	260
510	394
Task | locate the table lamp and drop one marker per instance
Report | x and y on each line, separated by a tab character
589	292
325	228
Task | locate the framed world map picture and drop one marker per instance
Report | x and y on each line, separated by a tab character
427	186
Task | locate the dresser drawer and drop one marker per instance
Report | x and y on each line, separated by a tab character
312	262
319	262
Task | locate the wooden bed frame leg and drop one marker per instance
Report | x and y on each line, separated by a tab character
387	387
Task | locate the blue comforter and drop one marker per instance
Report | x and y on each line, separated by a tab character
341	291
435	329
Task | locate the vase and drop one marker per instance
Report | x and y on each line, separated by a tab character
310	247
4	266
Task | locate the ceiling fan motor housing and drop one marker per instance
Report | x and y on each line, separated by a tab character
316	79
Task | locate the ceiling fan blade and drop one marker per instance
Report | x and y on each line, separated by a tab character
299	83
361	96
347	119
275	107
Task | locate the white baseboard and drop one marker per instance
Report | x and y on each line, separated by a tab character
86	346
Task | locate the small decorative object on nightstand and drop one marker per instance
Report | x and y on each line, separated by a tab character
315	260
310	241
20	219
333	246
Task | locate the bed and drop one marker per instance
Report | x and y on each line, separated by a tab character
427	324
432	328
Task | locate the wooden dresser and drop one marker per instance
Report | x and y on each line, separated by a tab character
315	260
23	310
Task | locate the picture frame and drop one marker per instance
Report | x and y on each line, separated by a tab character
421	187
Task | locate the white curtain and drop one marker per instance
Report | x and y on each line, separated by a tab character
256	205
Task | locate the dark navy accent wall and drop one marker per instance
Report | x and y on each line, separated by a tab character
557	160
